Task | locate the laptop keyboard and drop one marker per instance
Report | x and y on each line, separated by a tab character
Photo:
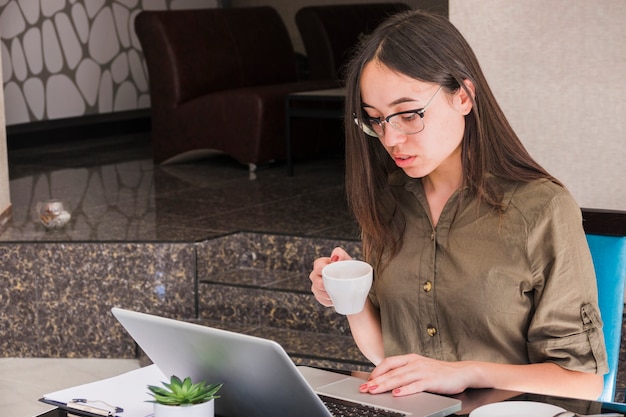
342	408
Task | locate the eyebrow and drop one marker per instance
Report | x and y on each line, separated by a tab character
393	103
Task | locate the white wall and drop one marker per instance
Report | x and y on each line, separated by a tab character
558	68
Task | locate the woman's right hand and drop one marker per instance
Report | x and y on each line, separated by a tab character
365	326
317	284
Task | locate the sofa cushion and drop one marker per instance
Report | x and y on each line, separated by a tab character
218	49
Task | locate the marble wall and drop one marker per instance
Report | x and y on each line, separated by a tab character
57	296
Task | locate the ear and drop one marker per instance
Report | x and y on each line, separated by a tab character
463	100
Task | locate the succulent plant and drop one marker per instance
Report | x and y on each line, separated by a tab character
184	392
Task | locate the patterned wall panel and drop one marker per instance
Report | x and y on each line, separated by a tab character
69	58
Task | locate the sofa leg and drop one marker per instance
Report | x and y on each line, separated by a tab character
252	171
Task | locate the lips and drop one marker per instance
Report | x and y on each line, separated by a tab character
403	160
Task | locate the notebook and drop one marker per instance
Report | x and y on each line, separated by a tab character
259	377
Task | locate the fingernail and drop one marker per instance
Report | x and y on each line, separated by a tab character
363	388
397	391
334	258
373	388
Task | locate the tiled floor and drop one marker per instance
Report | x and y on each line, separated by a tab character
115	193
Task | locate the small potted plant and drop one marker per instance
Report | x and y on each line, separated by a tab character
184	398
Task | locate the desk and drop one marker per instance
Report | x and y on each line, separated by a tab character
474	398
321	104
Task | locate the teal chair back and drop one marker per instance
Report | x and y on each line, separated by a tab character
609	260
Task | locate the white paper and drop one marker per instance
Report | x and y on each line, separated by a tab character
128	390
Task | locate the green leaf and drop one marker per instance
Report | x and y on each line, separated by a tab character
178	392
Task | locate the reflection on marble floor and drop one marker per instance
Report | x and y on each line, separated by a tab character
116	193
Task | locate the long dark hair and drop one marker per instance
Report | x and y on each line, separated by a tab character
428	48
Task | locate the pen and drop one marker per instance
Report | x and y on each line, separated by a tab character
82	404
89	409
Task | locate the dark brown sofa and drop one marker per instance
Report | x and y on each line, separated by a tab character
331	32
219	80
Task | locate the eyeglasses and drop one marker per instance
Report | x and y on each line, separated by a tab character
407	122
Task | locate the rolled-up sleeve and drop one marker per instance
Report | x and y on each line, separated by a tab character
566	327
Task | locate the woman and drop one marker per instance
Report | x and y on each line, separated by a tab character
483	277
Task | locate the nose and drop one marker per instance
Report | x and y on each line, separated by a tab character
392	137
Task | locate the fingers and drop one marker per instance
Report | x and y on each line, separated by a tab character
317	288
378	381
399	384
338	254
409	374
394	374
388	364
317	284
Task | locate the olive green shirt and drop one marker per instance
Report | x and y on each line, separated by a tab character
514	288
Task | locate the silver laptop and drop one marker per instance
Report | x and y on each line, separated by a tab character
259	377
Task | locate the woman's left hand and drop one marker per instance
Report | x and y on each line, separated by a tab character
409	374
412	373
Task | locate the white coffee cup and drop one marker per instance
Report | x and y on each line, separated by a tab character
348	284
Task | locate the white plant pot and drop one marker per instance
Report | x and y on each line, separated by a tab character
206	409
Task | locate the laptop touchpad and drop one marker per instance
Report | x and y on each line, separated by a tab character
426	403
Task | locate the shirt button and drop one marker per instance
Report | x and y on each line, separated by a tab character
432	236
432	331
428	286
